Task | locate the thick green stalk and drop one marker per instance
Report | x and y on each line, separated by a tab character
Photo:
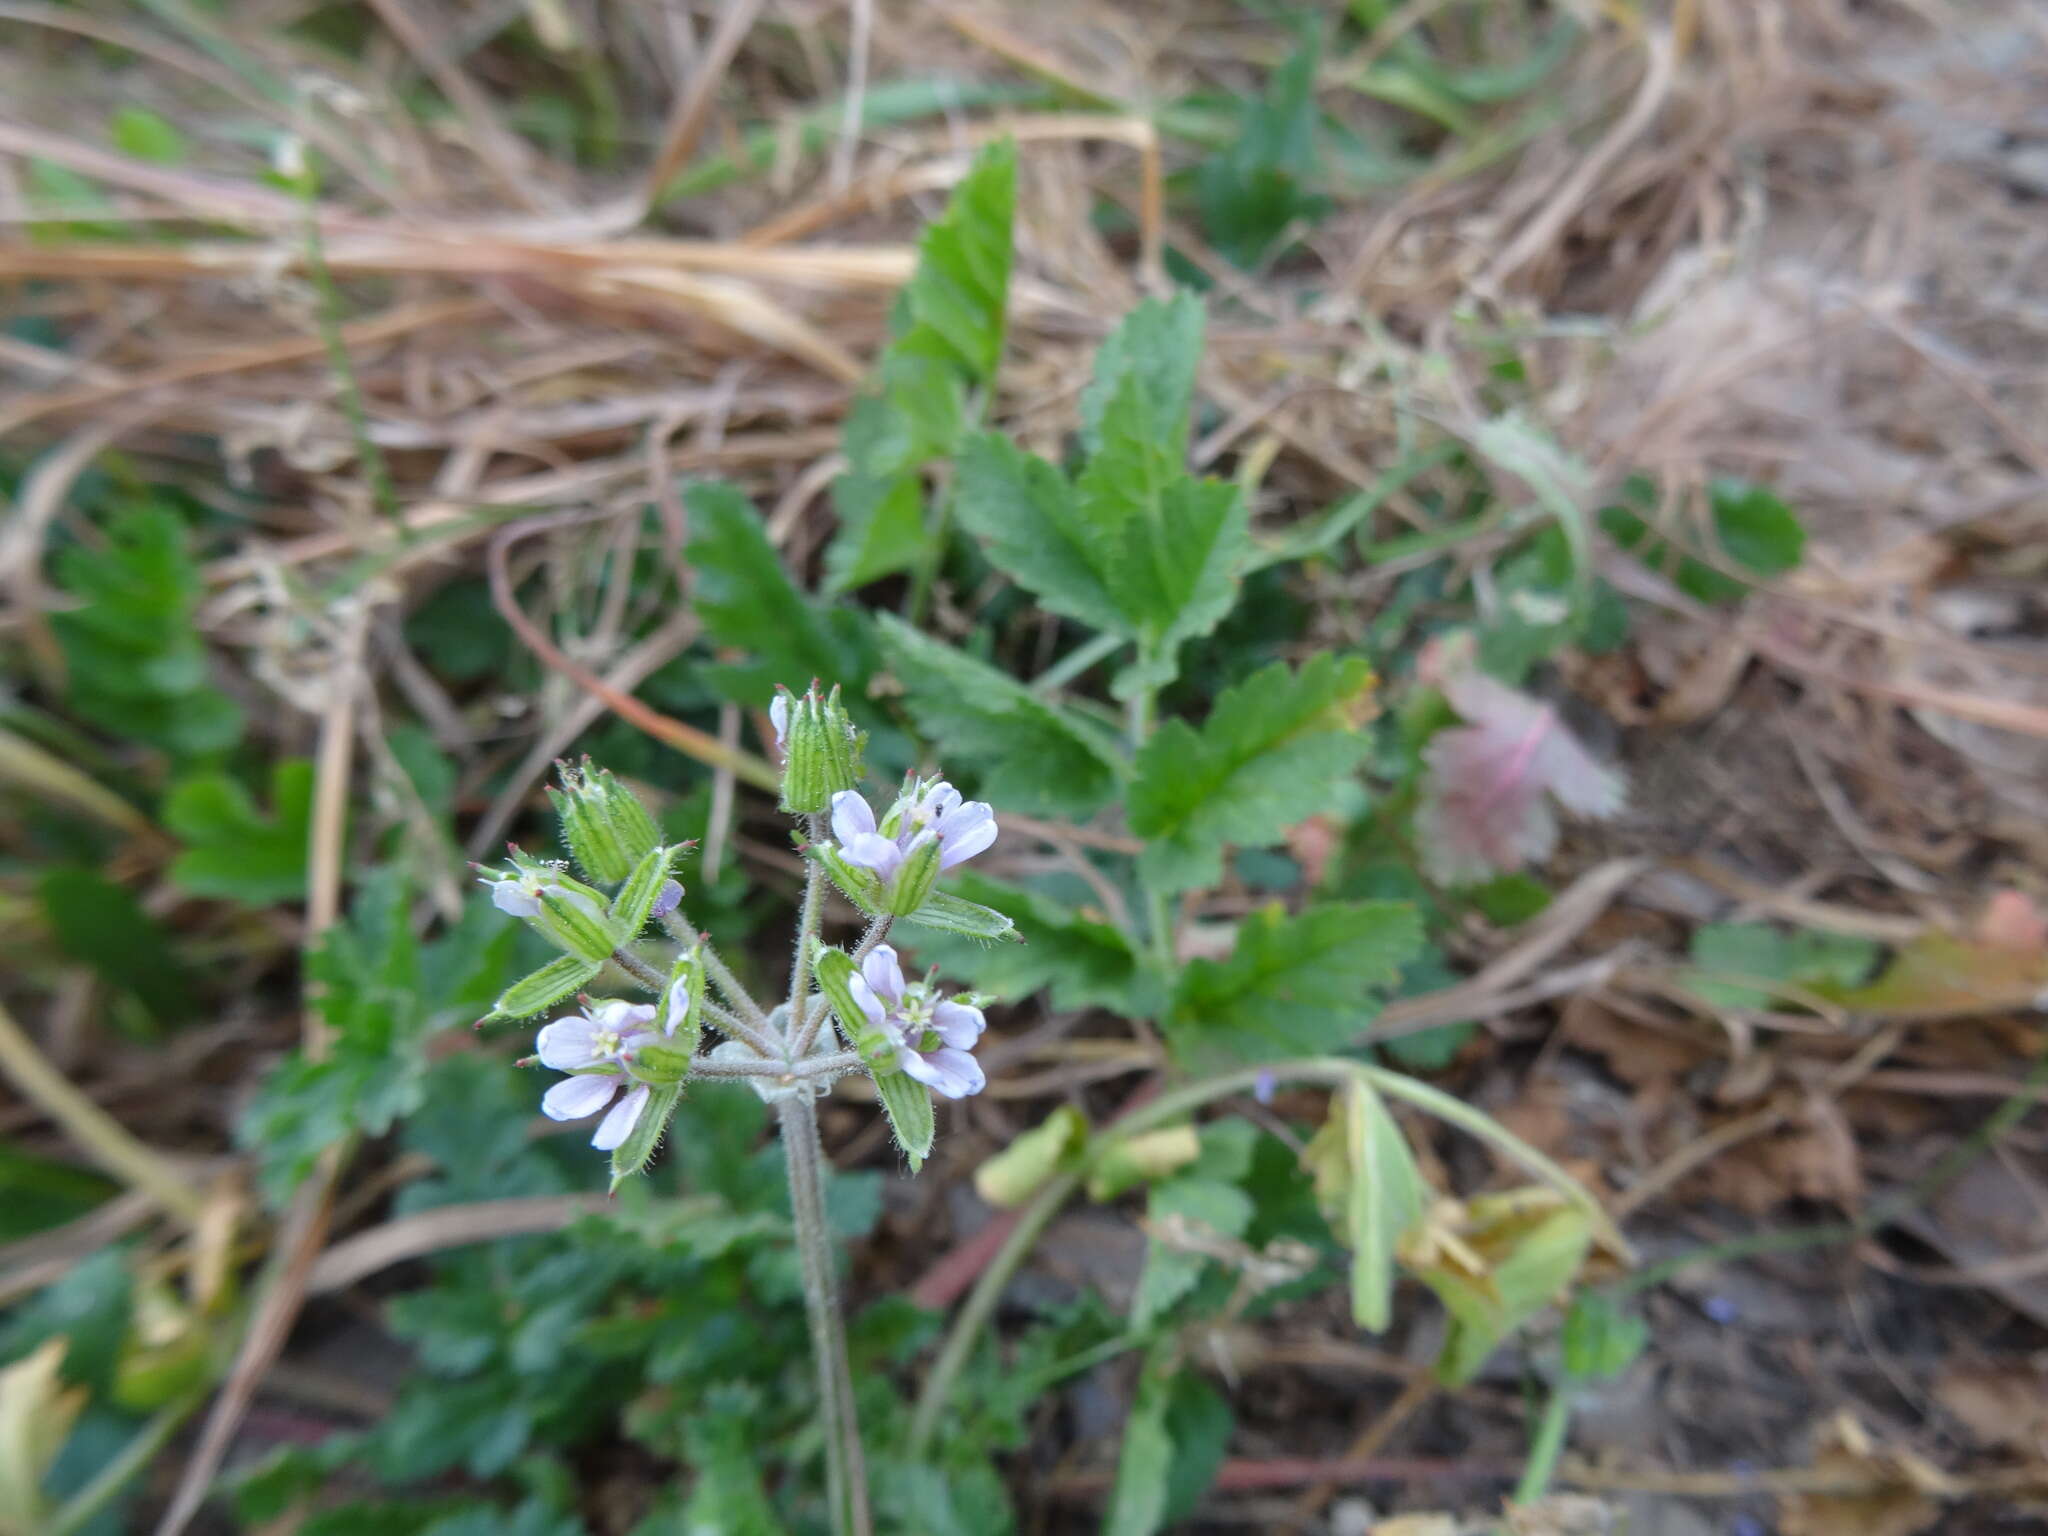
845	1467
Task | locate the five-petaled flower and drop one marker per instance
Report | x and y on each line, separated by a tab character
596	1046
928	811
932	1036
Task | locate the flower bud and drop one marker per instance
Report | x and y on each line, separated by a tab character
566	912
659	1064
915	877
820	749
603	823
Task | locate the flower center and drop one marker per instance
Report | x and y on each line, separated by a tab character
606	1044
916	1008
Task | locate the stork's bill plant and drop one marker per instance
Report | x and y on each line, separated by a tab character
628	1063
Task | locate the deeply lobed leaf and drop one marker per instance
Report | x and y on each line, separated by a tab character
1031	754
1271	754
1294	986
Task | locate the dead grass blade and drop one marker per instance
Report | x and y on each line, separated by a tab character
450	1226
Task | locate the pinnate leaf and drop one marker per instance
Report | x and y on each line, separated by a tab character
1294	986
232	848
1083	958
1136	545
953	307
1272	753
748	603
1031	755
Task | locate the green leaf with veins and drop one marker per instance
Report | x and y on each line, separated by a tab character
1294	986
1273	752
1030	754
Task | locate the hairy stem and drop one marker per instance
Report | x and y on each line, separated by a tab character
878	930
803	1031
817	1066
739	1029
638	969
716	969
845	1468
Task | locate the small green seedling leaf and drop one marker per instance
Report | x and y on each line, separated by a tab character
1600	1340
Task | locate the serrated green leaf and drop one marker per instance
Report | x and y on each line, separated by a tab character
1085	960
1205	1206
101	924
908	1103
632	1155
1027	513
1157	350
1273	752
1294	986
954	304
134	660
233	849
543	988
1257	187
1029	754
382	994
949	324
1736	963
1136	545
881	528
1756	531
749	604
1168	545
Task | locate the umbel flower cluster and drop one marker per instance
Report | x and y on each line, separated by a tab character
619	921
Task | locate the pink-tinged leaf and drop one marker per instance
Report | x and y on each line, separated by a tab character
1486	801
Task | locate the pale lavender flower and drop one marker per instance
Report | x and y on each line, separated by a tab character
933	1037
667	899
596	1047
930	809
778	716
